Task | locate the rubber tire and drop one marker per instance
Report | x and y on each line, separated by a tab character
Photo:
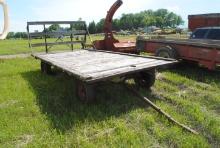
146	79
46	68
168	51
85	92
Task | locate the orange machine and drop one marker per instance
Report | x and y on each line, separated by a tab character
110	43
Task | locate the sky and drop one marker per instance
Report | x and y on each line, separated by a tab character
21	11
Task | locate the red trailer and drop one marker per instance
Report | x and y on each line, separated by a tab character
203	46
205	53
203	20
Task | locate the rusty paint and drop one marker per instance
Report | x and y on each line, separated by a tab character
207	57
203	20
110	43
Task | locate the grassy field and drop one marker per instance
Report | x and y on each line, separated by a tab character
8	47
20	46
42	111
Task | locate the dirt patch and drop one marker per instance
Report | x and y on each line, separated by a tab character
160	76
8	103
24	140
14	56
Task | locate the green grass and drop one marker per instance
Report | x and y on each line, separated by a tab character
38	110
13	47
9	47
20	46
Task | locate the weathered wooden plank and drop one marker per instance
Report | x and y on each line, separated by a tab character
100	63
133	55
113	65
92	66
65	68
125	65
129	69
85	58
97	68
80	54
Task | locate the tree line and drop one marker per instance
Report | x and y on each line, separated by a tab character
52	28
161	18
17	35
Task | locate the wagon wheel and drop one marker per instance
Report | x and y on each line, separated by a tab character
45	68
85	92
166	52
145	79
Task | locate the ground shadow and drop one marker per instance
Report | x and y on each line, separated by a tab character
55	95
196	73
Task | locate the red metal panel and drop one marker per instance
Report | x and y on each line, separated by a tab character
207	57
196	23
151	47
110	43
218	57
205	20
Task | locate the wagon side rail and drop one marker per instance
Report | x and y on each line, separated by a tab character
75	34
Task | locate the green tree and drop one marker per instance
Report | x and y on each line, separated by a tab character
20	35
179	21
54	27
116	24
100	25
161	18
11	35
92	27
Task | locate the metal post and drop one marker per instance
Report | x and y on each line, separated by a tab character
29	38
85	37
45	38
71	37
28	30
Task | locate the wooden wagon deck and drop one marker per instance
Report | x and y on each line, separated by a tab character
95	65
